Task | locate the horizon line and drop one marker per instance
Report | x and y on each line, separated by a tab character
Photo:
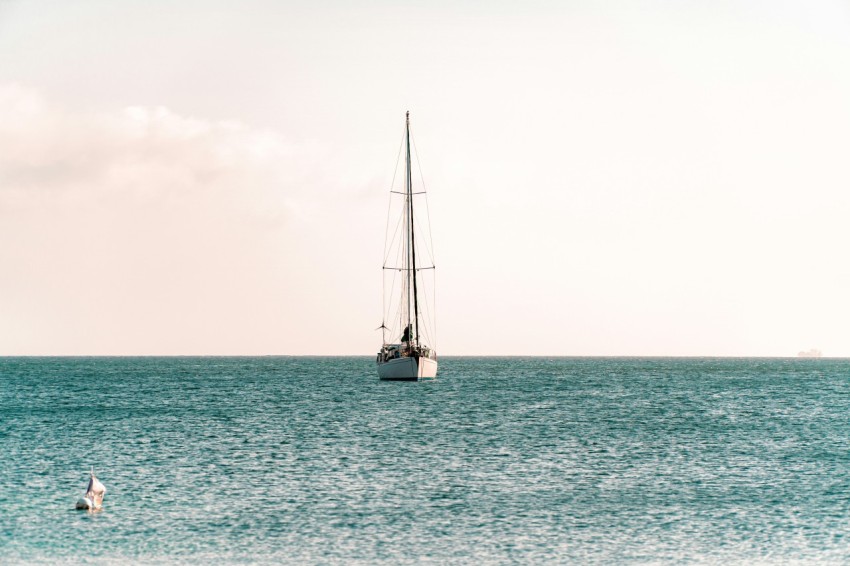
576	356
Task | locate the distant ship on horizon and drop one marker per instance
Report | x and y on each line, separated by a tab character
812	353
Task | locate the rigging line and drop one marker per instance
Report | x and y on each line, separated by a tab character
392	185
400	306
383	278
435	311
388	250
393	323
419	164
427	248
429	284
386	232
394	330
384	309
412	253
427	206
430	235
432	319
429	337
383	304
392	313
390	301
429	314
392	285
396	323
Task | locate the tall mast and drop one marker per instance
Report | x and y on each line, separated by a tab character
412	249
406	298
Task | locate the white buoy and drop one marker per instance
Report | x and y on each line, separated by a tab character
93	499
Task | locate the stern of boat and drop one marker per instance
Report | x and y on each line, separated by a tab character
407	369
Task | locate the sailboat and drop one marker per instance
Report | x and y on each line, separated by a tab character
408	268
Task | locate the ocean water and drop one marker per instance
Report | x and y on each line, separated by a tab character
499	460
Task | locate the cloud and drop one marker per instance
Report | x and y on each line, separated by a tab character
145	231
147	154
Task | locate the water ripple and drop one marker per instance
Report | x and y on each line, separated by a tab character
533	460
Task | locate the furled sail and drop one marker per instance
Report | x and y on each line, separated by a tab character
94	494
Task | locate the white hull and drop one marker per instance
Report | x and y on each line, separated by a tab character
406	369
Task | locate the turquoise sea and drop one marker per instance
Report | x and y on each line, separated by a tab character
313	460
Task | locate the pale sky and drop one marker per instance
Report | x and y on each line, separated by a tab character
604	178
